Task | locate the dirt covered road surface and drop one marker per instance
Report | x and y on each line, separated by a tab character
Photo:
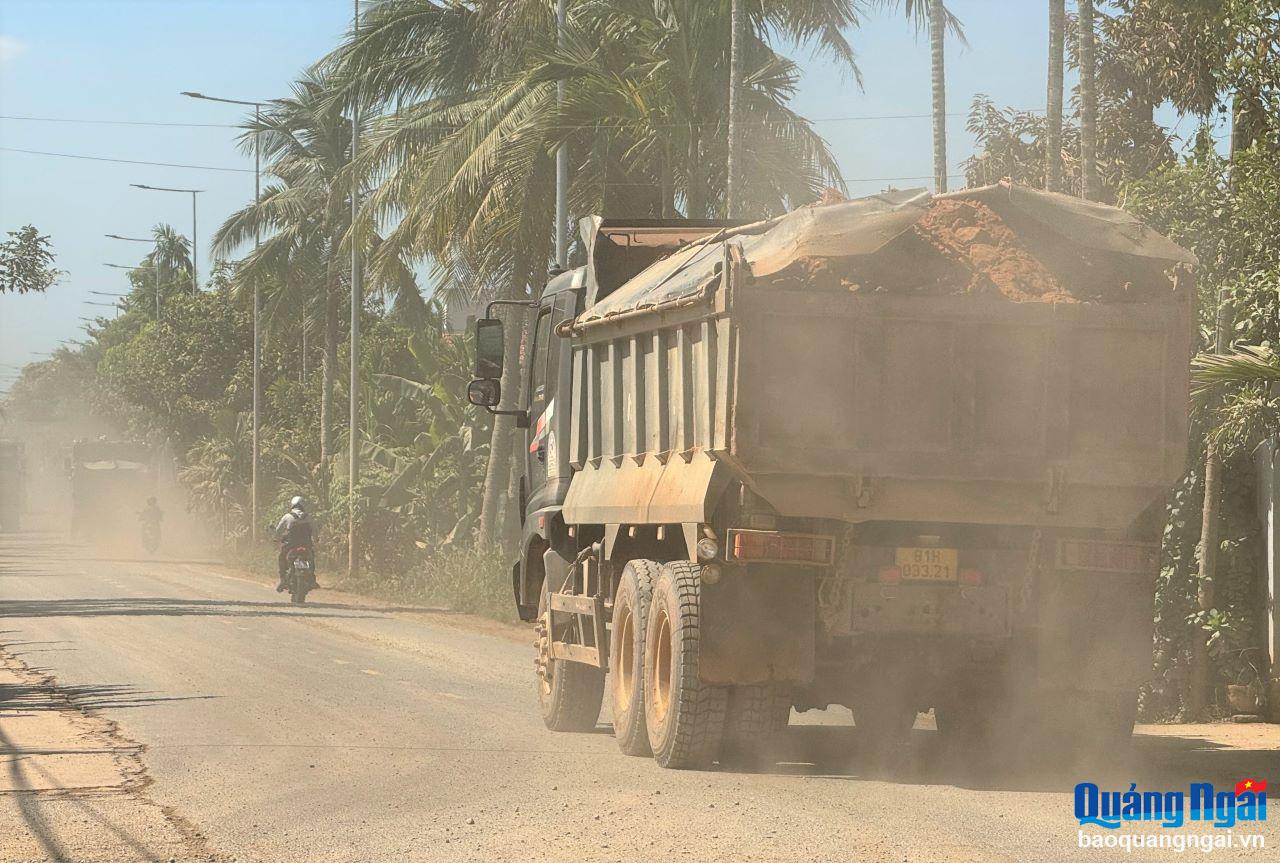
178	711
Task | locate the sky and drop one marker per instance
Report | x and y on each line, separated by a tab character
126	61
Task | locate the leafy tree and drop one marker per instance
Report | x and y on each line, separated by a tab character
1223	209
1088	102
173	377
465	150
26	262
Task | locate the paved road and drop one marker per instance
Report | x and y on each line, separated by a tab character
236	727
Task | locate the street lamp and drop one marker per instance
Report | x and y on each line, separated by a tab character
141	266
195	243
257	342
115	306
155	268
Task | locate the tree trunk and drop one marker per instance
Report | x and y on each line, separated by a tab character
506	529
695	196
1201	677
937	34
1088	105
667	172
731	190
502	443
509	532
1053	102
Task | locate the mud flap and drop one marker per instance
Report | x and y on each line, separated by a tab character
758	626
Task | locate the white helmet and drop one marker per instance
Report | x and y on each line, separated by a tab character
297	502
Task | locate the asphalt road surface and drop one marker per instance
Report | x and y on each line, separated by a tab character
172	711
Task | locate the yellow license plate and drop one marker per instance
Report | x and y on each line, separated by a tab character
927	564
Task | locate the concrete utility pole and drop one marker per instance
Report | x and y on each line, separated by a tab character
562	157
257	304
353	466
735	84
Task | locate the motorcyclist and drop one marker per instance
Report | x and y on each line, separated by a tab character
294	531
150	518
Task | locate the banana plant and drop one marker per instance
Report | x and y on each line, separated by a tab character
430	443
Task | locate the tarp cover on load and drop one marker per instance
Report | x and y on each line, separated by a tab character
862	227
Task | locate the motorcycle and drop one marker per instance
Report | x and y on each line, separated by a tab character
300	576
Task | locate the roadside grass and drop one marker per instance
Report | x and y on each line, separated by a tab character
474	581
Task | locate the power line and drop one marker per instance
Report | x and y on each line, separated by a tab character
118	122
126	161
603	123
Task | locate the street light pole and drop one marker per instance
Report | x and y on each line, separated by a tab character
353	434
156	268
257	304
195	244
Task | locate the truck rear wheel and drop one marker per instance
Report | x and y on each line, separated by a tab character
755	717
685	716
626	654
569	693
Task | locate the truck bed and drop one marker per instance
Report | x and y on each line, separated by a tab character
956	408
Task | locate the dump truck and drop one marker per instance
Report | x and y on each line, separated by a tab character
110	483
902	453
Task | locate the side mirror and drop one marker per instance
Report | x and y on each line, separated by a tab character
490	350
485	392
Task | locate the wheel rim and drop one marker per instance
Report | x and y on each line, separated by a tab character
546	663
660	665
626	656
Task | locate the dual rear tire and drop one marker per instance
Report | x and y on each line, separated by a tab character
685	717
627	653
660	704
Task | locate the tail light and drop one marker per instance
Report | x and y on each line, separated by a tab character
971	577
764	546
890	575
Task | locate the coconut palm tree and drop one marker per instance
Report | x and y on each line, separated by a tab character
1247	364
937	41
171	253
1053	101
934	15
464	154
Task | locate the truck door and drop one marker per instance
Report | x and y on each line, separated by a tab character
547	471
542	407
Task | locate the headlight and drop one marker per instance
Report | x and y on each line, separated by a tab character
707	548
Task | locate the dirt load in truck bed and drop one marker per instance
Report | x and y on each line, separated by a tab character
1004	241
963	247
970	233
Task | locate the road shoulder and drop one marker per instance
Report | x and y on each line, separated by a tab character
72	787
